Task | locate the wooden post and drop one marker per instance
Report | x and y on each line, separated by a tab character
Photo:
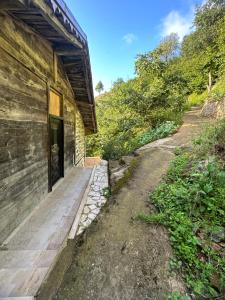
55	67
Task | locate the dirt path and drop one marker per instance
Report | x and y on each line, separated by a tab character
122	258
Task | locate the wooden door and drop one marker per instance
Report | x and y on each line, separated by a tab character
56	149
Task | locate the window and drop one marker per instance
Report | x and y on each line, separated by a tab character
55	104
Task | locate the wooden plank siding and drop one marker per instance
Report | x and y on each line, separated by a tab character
26	73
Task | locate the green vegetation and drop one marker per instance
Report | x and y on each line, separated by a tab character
99	87
191	204
168	80
217	93
178	296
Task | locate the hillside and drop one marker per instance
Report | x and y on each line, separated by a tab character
168	80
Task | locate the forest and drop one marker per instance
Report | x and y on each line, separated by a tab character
168	80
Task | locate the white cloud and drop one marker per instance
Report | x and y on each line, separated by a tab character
174	22
129	38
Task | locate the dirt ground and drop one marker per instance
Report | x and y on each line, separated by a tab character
122	258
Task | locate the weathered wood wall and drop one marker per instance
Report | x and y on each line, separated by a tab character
26	72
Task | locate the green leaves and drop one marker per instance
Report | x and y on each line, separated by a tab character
191	204
166	78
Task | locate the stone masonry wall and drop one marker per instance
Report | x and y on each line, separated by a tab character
80	141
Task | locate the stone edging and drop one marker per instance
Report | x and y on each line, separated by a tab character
95	197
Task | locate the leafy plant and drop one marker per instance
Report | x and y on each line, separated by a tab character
191	204
162	131
178	296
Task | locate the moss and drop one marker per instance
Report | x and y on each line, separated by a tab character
127	175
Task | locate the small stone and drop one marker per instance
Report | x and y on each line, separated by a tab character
91	202
91	216
215	280
216	247
92	194
96	211
96	198
86	210
218	236
92	207
97	189
87	222
83	218
80	230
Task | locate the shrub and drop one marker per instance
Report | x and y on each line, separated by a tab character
162	131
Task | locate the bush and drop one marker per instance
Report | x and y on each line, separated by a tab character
197	99
122	144
162	131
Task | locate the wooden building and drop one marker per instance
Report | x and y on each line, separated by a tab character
46	103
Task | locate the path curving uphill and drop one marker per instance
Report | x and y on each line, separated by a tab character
121	258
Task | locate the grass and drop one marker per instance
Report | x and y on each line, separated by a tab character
217	94
191	204
197	99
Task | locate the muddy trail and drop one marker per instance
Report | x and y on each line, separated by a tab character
120	257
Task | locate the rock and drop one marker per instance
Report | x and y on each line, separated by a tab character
86	223
91	216
119	169
216	247
215	280
214	109
80	230
218	236
96	211
86	210
92	207
92	201
83	218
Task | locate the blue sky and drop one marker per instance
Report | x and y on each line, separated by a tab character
118	30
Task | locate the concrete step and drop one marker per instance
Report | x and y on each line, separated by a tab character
30	253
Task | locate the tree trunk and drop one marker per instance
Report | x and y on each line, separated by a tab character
209	86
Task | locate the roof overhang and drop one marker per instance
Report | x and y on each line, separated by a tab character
53	20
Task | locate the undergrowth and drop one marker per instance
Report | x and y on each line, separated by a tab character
217	94
191	204
118	147
162	131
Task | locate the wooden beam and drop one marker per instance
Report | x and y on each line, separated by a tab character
52	19
12	4
79	103
69	52
71	64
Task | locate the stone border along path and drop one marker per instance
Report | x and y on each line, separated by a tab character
95	198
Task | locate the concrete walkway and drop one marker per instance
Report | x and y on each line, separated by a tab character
29	254
122	258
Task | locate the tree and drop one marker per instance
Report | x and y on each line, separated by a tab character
200	49
165	77
99	87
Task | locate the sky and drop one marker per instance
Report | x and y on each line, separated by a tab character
119	30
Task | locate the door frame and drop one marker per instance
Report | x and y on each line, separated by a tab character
49	116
